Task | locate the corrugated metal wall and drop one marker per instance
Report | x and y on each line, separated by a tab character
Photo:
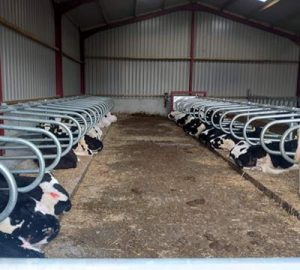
34	16
217	37
163	37
28	68
234	79
71	77
222	39
70	38
135	78
71	68
166	36
218	42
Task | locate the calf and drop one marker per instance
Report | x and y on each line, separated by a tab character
227	141
82	149
104	122
13	247
194	123
184	120
175	115
224	141
35	228
209	134
95	132
68	161
86	146
94	144
49	196
198	129
255	156
216	117
34	217
111	118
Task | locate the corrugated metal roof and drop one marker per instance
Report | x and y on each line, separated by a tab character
283	14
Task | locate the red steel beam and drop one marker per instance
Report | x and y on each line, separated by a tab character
82	66
192	49
194	7
58	54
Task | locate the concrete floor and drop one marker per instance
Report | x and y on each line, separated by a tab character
154	192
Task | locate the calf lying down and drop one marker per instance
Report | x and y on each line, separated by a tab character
34	219
17	247
88	145
68	161
107	120
246	156
175	115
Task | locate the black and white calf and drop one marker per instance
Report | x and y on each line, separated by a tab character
202	129
13	247
34	218
87	145
107	120
227	141
32	227
68	161
175	115
246	156
194	123
187	118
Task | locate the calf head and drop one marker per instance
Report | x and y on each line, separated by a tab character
224	142
181	121
49	197
195	132
82	149
93	144
192	126
111	118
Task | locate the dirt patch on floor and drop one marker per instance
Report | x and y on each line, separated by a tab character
159	195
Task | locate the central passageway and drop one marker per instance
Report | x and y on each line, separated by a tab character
155	192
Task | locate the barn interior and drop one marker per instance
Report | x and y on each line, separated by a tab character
149	129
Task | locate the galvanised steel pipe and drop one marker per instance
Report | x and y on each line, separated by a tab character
12	192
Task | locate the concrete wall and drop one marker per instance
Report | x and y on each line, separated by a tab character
140	105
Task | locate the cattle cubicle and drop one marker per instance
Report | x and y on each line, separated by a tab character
38	138
270	125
